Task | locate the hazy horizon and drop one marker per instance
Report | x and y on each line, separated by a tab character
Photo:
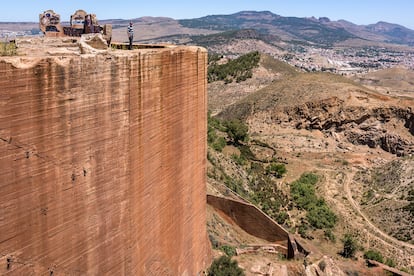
359	12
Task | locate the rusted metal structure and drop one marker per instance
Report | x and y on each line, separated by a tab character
80	23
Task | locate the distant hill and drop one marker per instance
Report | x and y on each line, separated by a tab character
381	31
320	31
392	32
288	28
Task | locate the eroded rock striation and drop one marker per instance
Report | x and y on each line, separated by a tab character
102	161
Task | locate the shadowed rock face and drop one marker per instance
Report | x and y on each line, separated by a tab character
103	165
410	123
360	125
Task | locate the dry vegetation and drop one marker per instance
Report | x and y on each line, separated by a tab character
8	49
397	81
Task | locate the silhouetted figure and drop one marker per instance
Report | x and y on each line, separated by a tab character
130	32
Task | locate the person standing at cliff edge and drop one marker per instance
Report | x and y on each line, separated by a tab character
130	32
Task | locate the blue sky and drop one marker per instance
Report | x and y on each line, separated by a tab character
356	11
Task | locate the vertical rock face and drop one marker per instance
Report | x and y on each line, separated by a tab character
102	163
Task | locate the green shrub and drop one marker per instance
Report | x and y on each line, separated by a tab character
246	152
235	185
390	262
211	135
303	232
224	266
8	49
240	160
215	141
373	255
228	250
265	195
319	215
329	235
237	131
215	123
219	144
276	169
256	168
350	246
213	58
281	217
303	191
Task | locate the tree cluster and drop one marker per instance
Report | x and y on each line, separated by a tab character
350	246
239	69
225	266
319	215
236	131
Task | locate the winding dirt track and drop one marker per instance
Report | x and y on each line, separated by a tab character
385	237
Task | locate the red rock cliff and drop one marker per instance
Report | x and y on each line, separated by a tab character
102	161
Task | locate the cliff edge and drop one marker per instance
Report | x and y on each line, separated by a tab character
103	160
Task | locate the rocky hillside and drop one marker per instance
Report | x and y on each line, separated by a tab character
335	106
357	142
387	196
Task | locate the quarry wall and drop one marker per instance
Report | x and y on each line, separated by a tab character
255	222
102	161
250	219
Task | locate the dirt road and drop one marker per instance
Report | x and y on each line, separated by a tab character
391	241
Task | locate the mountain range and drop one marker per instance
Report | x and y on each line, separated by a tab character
313	30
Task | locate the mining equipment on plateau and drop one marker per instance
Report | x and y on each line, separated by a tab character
80	23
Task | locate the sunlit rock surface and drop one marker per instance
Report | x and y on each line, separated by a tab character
103	161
